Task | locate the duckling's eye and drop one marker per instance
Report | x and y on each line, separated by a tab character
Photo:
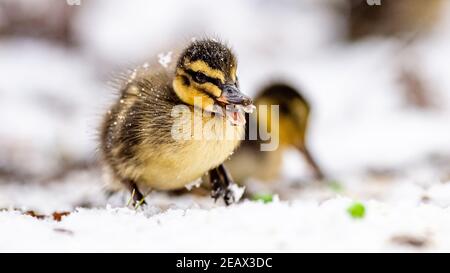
200	77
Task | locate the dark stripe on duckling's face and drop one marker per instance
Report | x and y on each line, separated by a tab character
186	81
202	78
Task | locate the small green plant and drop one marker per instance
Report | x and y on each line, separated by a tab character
336	186
357	210
265	197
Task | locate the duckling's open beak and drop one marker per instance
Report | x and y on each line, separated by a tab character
236	104
232	95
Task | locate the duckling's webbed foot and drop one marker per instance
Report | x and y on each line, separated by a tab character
222	183
136	195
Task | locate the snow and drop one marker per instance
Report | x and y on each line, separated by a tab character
165	59
309	218
194	184
307	228
55	121
237	191
377	149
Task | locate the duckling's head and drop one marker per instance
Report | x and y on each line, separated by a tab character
293	113
206	77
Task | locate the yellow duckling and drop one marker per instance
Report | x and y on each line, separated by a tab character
167	127
249	161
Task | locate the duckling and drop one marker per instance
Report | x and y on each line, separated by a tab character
294	111
402	18
148	138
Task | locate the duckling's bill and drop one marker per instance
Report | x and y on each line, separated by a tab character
236	105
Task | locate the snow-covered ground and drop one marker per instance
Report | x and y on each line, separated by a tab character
281	226
377	147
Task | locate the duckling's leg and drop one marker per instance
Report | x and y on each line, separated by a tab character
216	184
318	174
138	197
221	181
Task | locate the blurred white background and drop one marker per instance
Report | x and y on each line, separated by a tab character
56	60
380	128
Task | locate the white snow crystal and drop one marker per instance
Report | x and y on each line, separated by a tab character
237	191
165	58
193	184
